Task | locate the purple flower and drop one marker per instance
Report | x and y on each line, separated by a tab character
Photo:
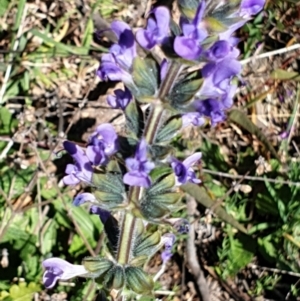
139	167
110	70
247	9
181	225
168	240
194	33
194	118
82	169
214	108
183	170
120	100
219	71
102	144
83	198
116	65
56	268
103	214
251	7
220	50
156	30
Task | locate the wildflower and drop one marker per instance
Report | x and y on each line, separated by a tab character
82	169
168	240
251	7
59	269
104	215
247	9
194	118
139	167
181	225
116	64
156	30
183	170
102	144
83	198
215	107
220	69
120	100
194	33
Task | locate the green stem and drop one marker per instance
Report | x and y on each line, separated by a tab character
126	239
127	233
173	72
153	122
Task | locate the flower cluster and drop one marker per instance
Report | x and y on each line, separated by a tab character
136	174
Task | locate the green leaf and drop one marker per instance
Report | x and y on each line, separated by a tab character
20	11
109	189
169	130
88	34
201	196
49	238
22	292
243	121
285	75
5	121
61	47
134	119
241	253
145	76
159	172
160	152
3	7
152	211
108	182
268	247
184	91
166	199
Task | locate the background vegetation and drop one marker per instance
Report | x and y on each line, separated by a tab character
49	52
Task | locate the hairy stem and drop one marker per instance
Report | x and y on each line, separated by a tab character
127	233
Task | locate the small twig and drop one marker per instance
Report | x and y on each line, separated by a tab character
191	255
289	293
278	271
11	56
160	272
251	178
270	53
6	149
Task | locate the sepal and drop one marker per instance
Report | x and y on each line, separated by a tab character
138	281
97	266
139	261
162	185
148	245
188	7
114	278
